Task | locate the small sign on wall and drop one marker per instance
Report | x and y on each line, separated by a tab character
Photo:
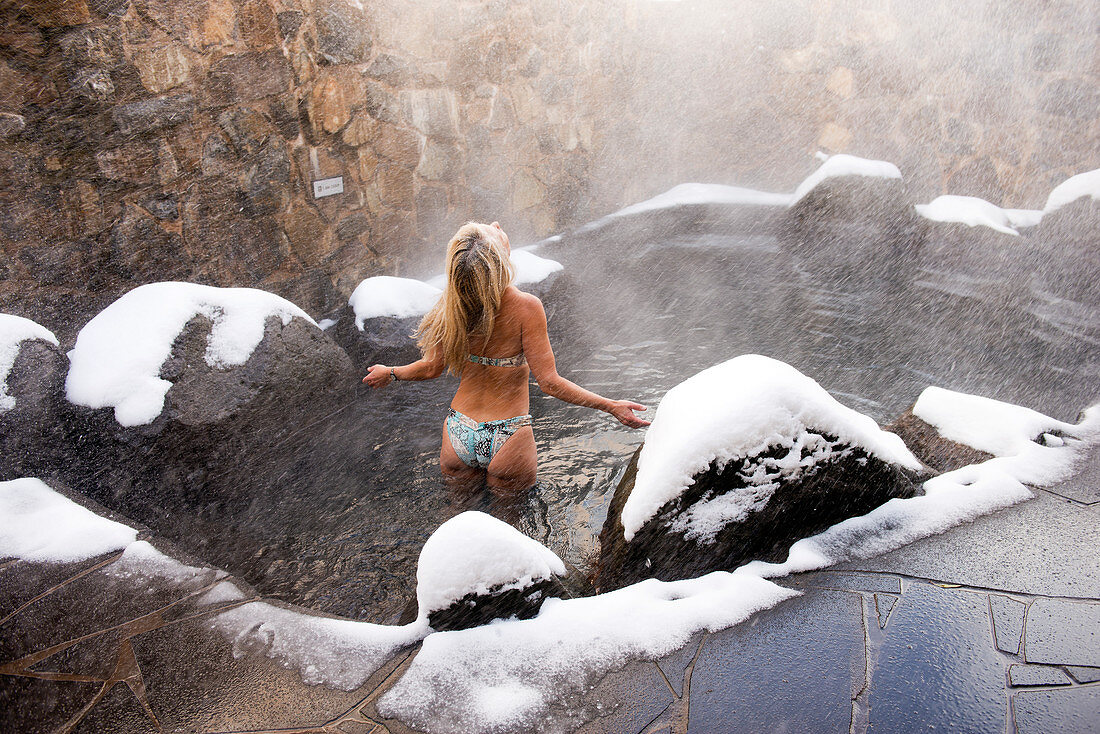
327	187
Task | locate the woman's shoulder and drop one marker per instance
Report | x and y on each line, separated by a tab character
521	300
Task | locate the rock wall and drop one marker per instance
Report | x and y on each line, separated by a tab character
145	140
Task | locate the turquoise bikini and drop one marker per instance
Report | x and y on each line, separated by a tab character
476	443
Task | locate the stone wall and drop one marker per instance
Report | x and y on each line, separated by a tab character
147	140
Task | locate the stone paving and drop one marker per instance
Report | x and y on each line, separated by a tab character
945	645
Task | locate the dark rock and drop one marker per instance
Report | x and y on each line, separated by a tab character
835	226
29	431
267	182
285	120
474	610
343	35
290	21
848	484
246	129
164	206
1075	98
248	77
352	227
930	447
1064	255
143	252
11	125
149	115
383	340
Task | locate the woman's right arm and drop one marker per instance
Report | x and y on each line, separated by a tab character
540	356
428	367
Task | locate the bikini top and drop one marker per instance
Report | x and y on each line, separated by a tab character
515	361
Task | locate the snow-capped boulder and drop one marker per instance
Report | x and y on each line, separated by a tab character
172	383
1065	240
928	445
742	460
32	373
853	214
475	569
377	324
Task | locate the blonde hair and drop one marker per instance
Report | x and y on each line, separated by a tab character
478	272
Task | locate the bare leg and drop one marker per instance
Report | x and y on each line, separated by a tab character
463	482
513	469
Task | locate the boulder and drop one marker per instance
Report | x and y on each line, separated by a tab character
741	461
1064	253
931	448
853	222
30	440
382	340
475	568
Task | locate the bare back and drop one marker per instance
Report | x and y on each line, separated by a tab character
488	392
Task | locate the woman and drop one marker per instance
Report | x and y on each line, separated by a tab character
493	336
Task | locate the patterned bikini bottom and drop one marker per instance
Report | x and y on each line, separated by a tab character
477	443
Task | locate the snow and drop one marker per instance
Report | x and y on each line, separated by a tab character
968	210
37	524
530	268
141	560
14	330
326	324
386	295
734	410
505	675
1023	218
118	355
1005	430
475	553
1072	189
689	194
339	653
845	165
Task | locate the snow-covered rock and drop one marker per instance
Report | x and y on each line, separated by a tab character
15	331
1075	188
119	357
1067	258
387	296
973	212
475	568
853	215
32	376
845	166
743	459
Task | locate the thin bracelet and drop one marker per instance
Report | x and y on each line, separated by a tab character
393	375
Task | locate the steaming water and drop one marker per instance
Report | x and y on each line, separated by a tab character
361	491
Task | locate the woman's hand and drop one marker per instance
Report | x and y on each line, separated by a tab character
623	410
378	376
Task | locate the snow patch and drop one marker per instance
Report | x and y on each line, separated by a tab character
142	560
734	410
14	330
844	165
37	524
1072	189
505	675
475	553
398	298
689	194
968	210
118	355
339	653
530	268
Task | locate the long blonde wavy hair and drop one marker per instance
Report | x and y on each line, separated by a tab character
478	272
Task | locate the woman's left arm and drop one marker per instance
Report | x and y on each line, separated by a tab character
540	356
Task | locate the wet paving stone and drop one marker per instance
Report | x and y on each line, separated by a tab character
626	700
1084	675
1008	622
1073	710
1037	675
1063	632
847	581
793	668
31	705
675	664
1084	485
118	712
194	683
94	657
94	602
937	669
21	582
884	605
